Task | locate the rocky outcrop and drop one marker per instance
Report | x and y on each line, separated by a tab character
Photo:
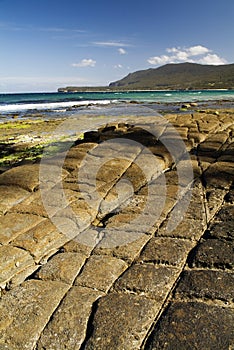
102	265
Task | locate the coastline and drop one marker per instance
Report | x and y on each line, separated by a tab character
58	104
96	108
23	138
113	262
107	90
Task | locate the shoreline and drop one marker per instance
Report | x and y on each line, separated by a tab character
89	108
23	139
138	90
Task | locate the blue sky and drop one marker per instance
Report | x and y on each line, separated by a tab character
47	44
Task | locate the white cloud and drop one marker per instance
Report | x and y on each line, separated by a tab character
212	59
173	49
181	56
159	60
118	66
122	51
178	55
110	44
197	50
86	62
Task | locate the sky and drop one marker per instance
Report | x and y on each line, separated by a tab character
49	44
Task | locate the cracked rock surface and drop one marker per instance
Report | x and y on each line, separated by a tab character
118	246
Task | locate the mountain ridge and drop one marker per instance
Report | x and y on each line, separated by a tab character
172	76
180	76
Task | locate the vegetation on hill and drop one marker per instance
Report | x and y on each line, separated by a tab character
180	76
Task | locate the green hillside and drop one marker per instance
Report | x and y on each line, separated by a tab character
180	76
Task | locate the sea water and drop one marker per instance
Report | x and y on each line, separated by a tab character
21	102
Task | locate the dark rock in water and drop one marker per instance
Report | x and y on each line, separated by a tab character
186	105
135	102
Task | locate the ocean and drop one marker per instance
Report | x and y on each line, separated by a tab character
60	103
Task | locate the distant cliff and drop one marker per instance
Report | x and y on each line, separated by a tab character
180	76
171	76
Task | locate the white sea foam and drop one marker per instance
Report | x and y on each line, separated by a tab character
53	105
